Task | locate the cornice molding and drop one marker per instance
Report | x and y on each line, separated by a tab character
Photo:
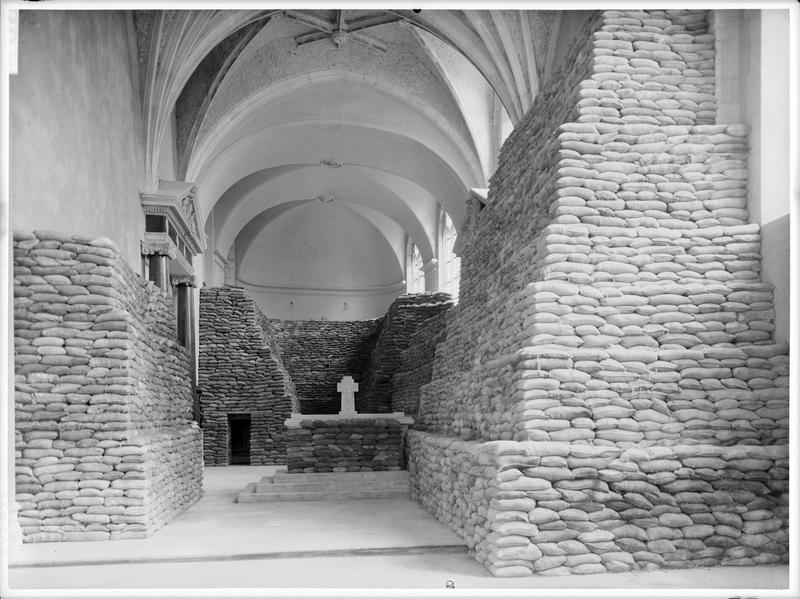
176	200
159	247
313	290
188	280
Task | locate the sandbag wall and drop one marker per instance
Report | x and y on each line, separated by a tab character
555	508
611	300
347	445
105	448
405	316
240	371
416	364
317	354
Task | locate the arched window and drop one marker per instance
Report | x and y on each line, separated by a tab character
449	263
415	278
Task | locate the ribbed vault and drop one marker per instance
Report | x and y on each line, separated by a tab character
393	115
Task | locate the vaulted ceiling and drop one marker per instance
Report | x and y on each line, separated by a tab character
385	114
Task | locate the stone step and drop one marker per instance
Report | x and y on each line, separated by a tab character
269	486
327	486
374	476
245	497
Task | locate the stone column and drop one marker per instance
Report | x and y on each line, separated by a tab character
157	256
183	285
161	273
185	317
431	271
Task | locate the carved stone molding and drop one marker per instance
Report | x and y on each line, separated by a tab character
143	21
158	248
188	280
176	201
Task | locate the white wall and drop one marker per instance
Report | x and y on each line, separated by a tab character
294	305
75	127
752	71
319	260
768	113
753	87
168	156
473	94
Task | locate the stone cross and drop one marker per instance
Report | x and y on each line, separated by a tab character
347	387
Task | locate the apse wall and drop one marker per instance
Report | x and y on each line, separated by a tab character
608	395
319	261
76	137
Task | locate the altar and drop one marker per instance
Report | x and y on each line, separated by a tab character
347	441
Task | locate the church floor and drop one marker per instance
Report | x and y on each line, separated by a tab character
390	544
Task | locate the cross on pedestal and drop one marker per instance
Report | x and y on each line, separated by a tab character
347	387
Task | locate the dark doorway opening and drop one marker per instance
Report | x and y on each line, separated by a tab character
239	437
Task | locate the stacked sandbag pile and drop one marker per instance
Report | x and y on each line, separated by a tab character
467	382
637	248
240	371
417	365
404	317
344	445
647	279
449	480
104	443
612	303
317	354
556	508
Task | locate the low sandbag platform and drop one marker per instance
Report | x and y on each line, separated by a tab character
345	442
327	486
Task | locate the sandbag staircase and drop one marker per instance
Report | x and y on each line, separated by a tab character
327	486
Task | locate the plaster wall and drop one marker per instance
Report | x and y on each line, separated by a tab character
752	76
775	269
473	94
766	108
320	261
168	158
217	273
298	305
209	267
767	111
75	131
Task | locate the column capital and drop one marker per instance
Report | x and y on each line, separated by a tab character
158	248
188	280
